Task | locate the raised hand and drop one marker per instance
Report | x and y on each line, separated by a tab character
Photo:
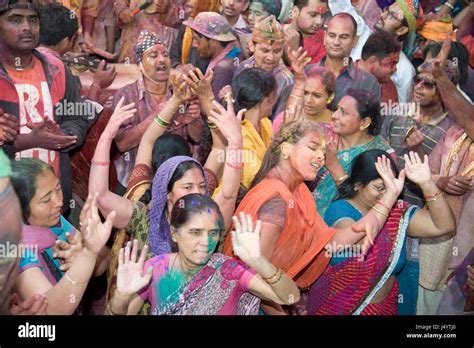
417	170
298	60
439	62
121	114
332	145
67	251
246	239
103	77
36	304
226	121
8	126
198	83
95	234
181	89
393	185
130	277
293	113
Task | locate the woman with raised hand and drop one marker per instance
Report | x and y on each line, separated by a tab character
375	284
293	234
355	126
195	280
311	95
41	199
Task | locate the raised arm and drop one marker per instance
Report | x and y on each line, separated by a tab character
437	219
299	61
100	165
228	125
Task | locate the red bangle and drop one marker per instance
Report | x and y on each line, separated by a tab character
103	164
237	167
433	196
383	205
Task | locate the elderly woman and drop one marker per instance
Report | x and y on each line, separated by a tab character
293	233
312	93
374	286
356	126
195	280
41	199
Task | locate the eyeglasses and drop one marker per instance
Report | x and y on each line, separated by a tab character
427	84
391	15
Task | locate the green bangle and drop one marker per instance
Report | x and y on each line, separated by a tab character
211	125
161	122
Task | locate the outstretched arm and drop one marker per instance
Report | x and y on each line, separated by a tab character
100	165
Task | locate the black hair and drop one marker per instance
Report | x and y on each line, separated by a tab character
345	15
251	86
58	22
273	7
25	172
367	106
181	171
222	43
187	206
458	51
166	146
380	44
363	172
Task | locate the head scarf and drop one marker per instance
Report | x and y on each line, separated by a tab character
146	40
412	12
160	240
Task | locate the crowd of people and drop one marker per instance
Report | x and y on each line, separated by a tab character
240	157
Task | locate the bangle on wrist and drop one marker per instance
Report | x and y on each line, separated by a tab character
109	309
342	179
448	5
211	125
384	205
296	96
101	164
160	122
434	197
379	211
73	282
235	166
275	278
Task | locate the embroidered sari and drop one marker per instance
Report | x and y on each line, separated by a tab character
298	251
219	288
44	239
326	189
349	286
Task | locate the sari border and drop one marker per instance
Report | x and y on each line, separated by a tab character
395	256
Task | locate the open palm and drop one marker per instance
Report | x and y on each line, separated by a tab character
130	277
417	170
246	239
391	183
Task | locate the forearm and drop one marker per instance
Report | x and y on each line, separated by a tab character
102	262
440	212
285	289
88	23
154	131
296	98
110	34
206	103
119	303
336	171
66	295
231	178
460	108
94	93
24	142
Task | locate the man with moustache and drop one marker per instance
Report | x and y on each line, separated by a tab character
33	86
339	39
268	40
399	19
150	94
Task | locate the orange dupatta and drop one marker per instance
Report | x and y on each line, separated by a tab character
300	248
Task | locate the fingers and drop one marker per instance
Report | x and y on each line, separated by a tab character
243	221
148	275
230	103
133	257
210	76
85	210
258	227
249	221
121	258
120	103
143	254
127	252
237	225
